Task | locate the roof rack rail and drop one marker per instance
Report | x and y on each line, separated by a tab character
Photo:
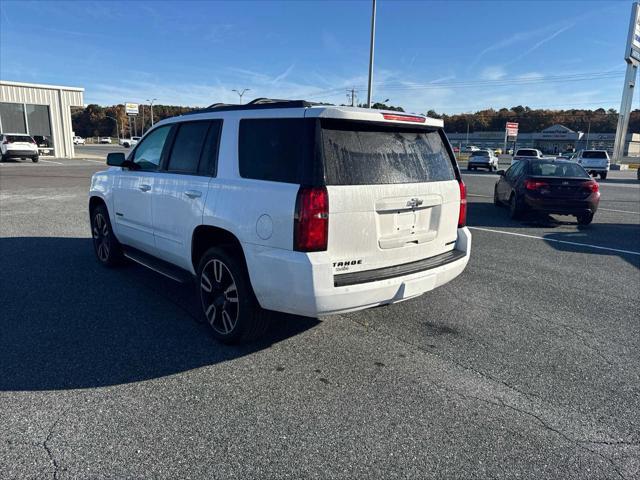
256	104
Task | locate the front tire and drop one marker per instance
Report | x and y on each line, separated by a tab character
105	244
228	303
35	159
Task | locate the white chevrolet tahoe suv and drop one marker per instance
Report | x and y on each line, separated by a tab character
286	206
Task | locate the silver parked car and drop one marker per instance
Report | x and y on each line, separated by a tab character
484	158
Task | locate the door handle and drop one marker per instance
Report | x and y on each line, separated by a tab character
144	187
193	193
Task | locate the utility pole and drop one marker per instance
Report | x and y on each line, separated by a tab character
467	133
151	103
351	95
142	107
371	48
588	132
241	93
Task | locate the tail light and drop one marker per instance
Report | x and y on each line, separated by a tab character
311	221
592	185
534	184
404	118
462	216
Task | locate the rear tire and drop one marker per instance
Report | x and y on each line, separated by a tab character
515	207
35	159
105	244
229	305
603	175
585	219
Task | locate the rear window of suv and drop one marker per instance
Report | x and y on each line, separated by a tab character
594	154
339	152
20	138
359	153
527	153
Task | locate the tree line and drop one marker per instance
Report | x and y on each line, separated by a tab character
95	120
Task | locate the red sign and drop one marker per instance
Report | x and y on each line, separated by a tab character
512	129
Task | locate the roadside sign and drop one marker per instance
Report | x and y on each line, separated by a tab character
131	108
511	129
632	55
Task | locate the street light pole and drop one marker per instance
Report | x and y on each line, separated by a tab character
142	129
117	127
371	47
241	93
151	103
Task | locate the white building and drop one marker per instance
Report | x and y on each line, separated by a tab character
42	111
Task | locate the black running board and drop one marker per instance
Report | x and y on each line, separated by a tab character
159	266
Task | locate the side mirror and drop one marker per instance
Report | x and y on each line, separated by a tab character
500	172
116	159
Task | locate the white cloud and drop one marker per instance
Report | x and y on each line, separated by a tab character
495	72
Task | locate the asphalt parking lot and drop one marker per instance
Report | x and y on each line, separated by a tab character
526	365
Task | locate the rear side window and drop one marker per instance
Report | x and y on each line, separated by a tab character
357	153
187	147
275	149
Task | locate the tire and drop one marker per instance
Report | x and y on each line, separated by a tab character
469	168
2	158
126	145
585	219
105	244
603	175
515	207
35	159
229	305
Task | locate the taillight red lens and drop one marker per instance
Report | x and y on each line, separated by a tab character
404	118
462	216
592	185
311	222
534	184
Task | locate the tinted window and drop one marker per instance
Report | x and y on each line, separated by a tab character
185	153
274	149
480	153
557	169
148	153
209	158
527	153
594	154
19	138
368	154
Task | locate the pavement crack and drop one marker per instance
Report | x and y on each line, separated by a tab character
45	444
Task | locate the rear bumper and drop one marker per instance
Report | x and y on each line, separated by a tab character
304	284
562	206
20	153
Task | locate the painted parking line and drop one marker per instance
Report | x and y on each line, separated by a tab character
566	242
51	161
619	211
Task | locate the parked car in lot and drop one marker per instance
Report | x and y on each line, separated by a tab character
105	139
596	162
18	145
129	142
471	148
78	140
308	209
548	186
484	158
526	154
566	156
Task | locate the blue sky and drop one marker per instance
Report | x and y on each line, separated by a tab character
452	56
